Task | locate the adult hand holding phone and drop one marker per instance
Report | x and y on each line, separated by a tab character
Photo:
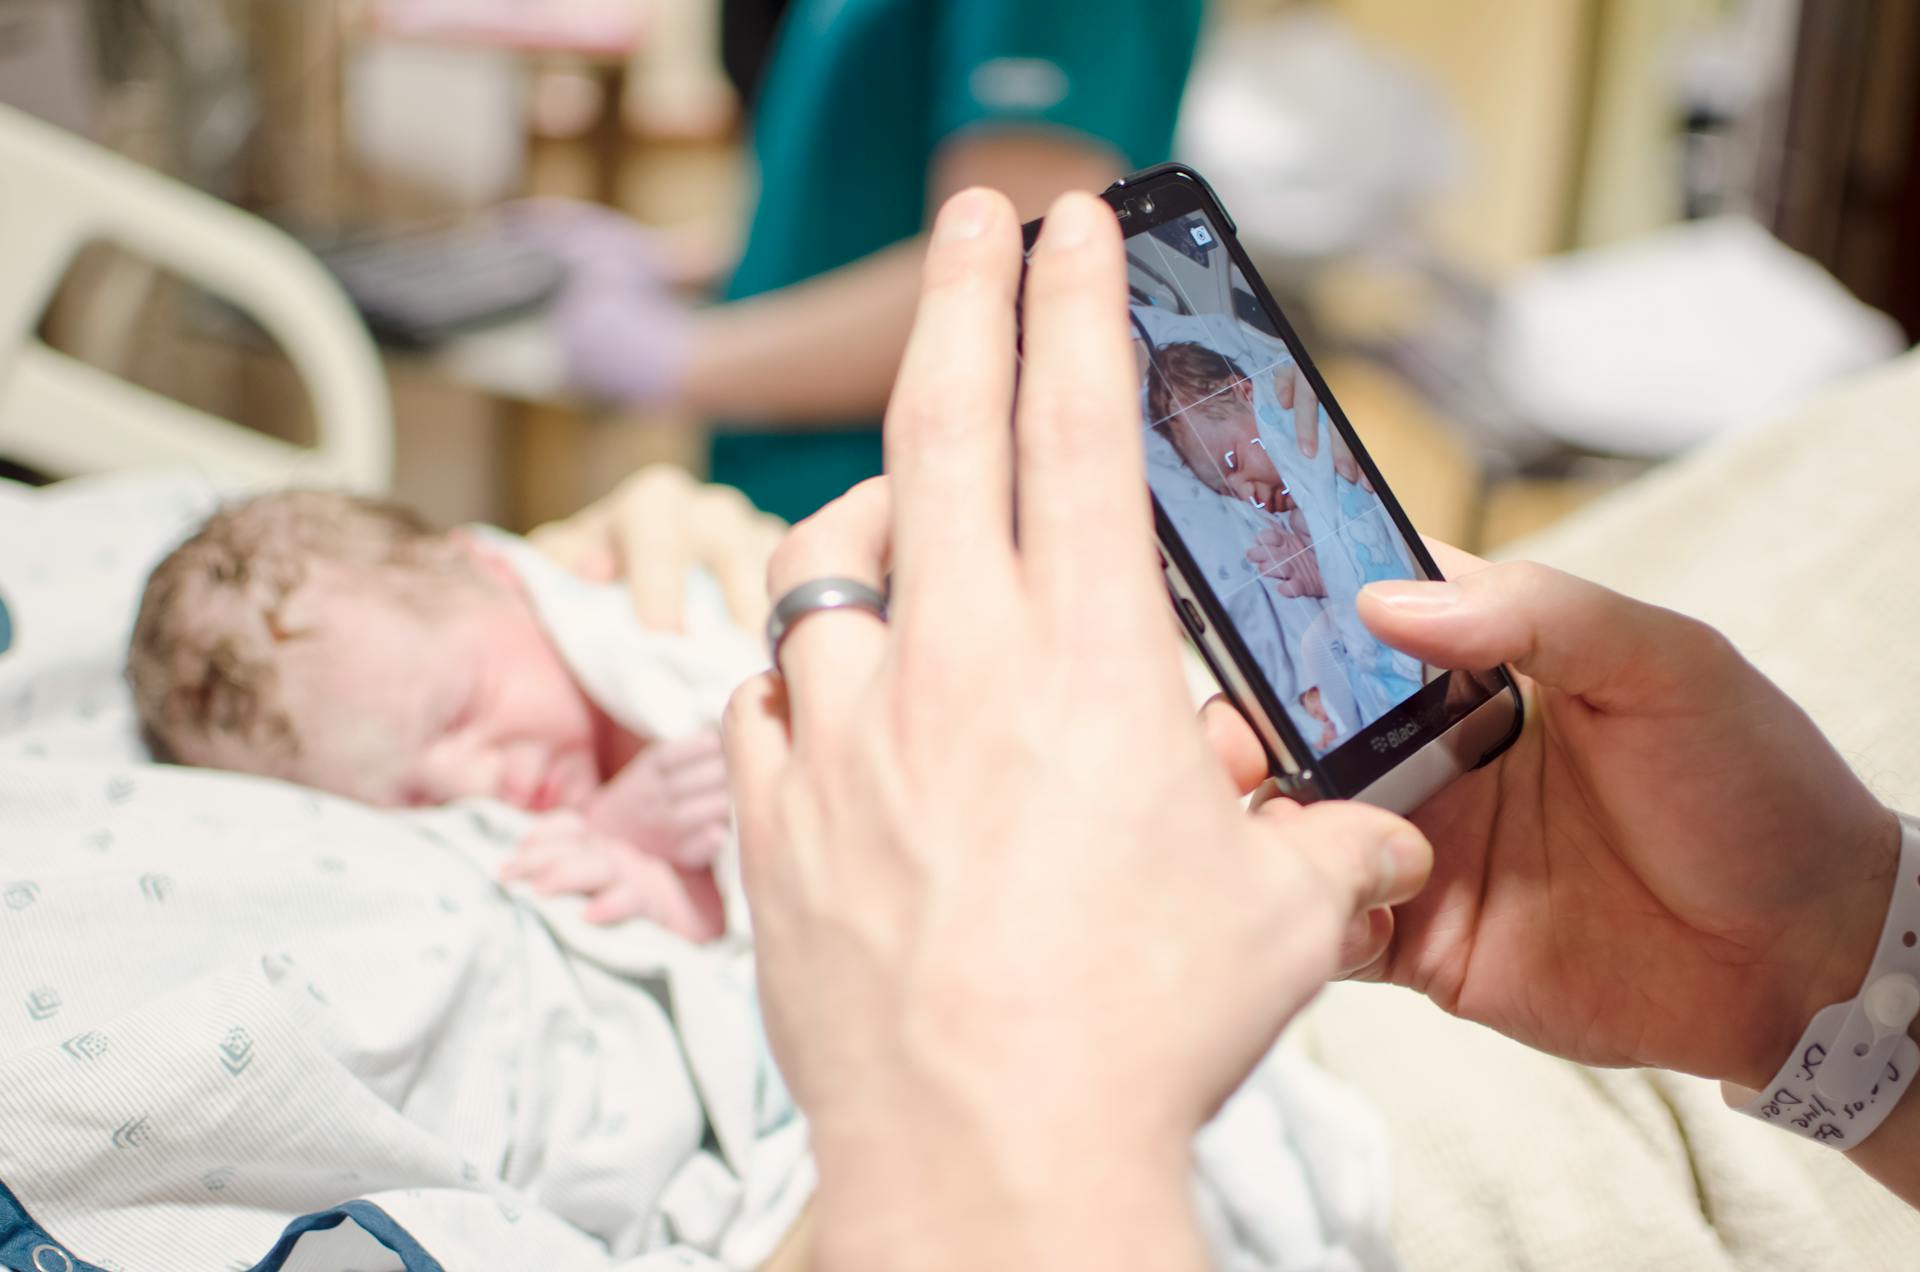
1017	938
1670	866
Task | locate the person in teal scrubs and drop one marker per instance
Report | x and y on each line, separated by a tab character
869	113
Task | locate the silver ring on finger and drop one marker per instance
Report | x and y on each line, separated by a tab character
817	596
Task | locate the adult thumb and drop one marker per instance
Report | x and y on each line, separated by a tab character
1614	652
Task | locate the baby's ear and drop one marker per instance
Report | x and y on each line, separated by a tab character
484	557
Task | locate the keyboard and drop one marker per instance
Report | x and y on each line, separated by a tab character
418	289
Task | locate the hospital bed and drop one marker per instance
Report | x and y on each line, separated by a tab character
59	194
1797	540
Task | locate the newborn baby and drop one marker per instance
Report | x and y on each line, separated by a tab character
340	643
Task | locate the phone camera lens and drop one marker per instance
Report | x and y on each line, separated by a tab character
1145	205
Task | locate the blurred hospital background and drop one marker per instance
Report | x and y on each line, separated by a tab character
1538	246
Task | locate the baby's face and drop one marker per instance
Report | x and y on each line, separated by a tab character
397	709
1220	440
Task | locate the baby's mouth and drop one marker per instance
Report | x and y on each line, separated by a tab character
546	796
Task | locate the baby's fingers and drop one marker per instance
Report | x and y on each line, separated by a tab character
572	872
533	856
617	903
698	812
553	835
701	846
683	902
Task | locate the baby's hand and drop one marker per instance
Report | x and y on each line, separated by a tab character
670	800
563	854
1283	552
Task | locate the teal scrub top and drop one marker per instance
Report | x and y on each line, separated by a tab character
858	96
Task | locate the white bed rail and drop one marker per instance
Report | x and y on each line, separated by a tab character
59	193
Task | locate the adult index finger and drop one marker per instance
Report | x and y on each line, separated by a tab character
948	436
1085	523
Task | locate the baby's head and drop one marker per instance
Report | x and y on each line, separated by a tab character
1204	405
340	643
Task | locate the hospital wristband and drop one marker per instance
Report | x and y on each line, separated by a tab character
1856	1059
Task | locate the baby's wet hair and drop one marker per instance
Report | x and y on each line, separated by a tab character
202	662
1182	374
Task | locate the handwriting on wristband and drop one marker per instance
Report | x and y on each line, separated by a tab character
1856	1054
1809	1112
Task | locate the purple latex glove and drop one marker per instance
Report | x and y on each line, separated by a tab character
624	344
624	333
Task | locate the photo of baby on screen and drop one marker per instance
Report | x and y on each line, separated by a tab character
1281	519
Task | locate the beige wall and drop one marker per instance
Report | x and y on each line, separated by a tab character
1523	76
1514	70
1630	185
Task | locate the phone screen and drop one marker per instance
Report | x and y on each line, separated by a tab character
1281	520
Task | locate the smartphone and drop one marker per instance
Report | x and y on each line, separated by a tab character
1271	517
